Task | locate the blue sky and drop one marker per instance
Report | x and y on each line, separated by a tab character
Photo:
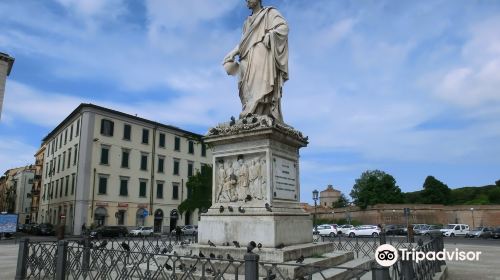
408	87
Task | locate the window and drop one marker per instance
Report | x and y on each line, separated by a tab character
58	163
76	154
71	133
66	187
57	187
77	127
46	170
126	131
203	150
161	164
142	188
144	162
63	161
145	136
125	156
123	186
159	190
107	127
190	169
175	190
69	158
65	136
61	187
161	143
176	167
52	190
191	147
60	140
103	184
177	144
73	184
105	155
56	144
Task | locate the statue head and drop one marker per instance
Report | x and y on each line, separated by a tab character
252	4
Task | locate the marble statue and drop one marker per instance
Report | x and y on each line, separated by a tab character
243	180
262	66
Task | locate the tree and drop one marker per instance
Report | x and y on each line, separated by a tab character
342	202
435	191
375	186
497	182
199	188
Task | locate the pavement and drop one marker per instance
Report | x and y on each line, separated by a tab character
487	268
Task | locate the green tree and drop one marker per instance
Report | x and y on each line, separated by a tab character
497	182
342	202
199	188
435	191
375	186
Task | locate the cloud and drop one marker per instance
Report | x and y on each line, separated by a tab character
15	153
476	80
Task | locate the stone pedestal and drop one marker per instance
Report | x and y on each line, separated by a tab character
256	191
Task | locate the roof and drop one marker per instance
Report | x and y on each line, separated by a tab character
330	189
107	110
8	59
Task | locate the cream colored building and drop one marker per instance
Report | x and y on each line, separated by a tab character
6	63
105	167
329	196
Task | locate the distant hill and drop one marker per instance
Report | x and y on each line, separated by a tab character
489	194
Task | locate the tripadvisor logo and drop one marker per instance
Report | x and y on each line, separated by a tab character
386	255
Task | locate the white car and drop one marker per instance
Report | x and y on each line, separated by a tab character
364	230
329	230
453	230
343	229
142	231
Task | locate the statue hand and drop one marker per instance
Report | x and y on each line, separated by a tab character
267	40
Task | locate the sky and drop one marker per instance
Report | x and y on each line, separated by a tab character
411	88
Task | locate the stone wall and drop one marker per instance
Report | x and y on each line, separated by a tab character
487	215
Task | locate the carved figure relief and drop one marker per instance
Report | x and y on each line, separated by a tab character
240	177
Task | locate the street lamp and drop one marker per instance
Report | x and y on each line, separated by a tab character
472	214
315	198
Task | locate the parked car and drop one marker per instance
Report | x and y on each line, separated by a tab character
364	230
325	230
453	230
496	233
430	229
188	230
142	231
44	229
483	232
343	229
395	230
109	231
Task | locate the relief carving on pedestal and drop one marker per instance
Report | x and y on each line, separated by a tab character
241	178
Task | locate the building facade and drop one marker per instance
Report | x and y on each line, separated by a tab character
37	183
329	196
104	167
6	63
15	192
23	183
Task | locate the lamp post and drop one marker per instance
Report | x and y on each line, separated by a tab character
472	214
315	198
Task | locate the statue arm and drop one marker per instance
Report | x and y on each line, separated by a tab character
230	57
279	28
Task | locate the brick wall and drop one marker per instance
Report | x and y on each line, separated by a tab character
487	215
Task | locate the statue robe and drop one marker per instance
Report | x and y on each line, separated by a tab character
263	52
